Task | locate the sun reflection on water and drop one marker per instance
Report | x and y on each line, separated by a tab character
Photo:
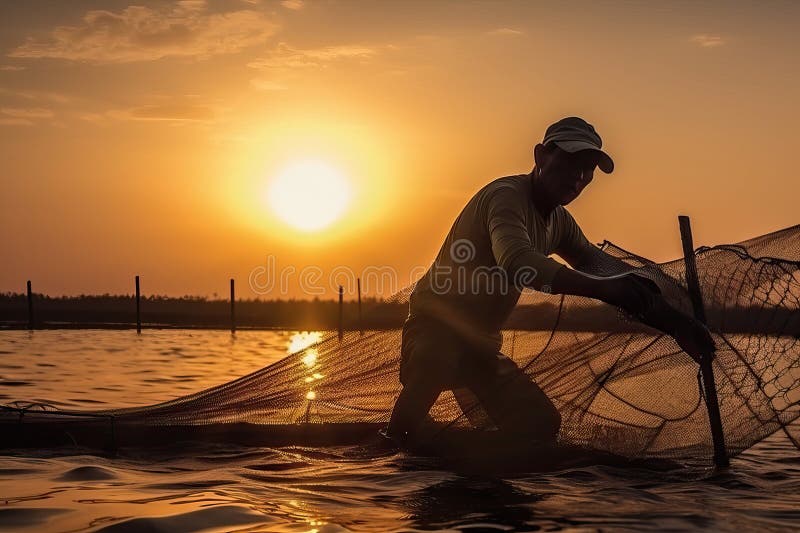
302	340
302	343
310	358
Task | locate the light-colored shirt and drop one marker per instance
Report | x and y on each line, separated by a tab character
498	245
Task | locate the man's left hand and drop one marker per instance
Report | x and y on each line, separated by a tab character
694	338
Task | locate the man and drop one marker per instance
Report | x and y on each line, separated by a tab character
499	245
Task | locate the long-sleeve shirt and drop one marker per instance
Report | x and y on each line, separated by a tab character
498	245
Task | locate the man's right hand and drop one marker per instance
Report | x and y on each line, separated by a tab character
635	294
641	298
694	338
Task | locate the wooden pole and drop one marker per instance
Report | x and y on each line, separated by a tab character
360	324
341	312
138	308
30	306
706	367
233	308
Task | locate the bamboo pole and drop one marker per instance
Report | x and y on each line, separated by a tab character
360	324
233	308
138	308
30	306
706	367
341	312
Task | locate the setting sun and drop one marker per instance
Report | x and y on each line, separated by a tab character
309	195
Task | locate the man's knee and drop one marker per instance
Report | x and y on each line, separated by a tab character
549	421
532	415
411	408
519	406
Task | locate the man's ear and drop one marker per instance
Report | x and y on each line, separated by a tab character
539	155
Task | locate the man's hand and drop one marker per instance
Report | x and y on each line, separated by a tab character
694	338
641	298
635	294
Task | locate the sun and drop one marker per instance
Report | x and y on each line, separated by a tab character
309	195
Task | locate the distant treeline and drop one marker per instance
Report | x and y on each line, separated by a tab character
108	310
193	311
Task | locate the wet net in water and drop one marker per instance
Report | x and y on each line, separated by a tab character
620	387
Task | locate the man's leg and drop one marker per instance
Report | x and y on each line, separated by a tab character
472	409
515	403
411	409
429	362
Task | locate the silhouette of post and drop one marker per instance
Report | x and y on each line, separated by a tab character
360	324
138	308
706	367
341	312
30	306
233	308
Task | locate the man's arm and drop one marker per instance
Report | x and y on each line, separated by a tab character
526	267
639	296
595	261
595	274
511	243
622	287
585	257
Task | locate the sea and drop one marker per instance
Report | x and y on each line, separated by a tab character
210	488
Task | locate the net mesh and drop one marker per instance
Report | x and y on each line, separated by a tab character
620	387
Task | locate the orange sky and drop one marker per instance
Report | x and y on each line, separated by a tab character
139	139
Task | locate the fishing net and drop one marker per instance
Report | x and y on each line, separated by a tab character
620	387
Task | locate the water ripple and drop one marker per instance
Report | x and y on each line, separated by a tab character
301	489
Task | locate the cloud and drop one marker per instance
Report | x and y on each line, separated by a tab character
286	57
293	4
505	32
95	118
26	112
36	95
15	122
23	116
170	112
139	33
284	61
267	85
707	41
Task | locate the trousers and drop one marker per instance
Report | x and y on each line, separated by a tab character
484	381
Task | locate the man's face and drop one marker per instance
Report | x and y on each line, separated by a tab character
564	175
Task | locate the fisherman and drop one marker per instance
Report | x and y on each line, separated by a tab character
499	245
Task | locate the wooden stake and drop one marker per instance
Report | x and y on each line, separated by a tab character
233	308
341	312
706	367
360	324
138	308
30	306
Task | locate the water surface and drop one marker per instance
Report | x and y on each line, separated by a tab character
229	488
